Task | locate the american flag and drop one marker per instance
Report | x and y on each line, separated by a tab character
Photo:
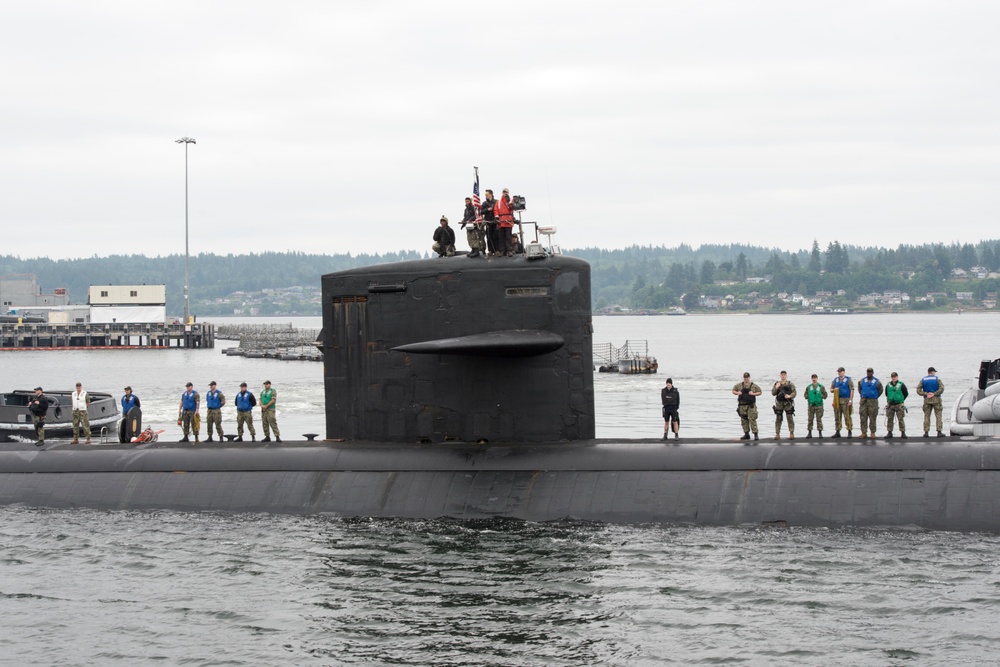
475	196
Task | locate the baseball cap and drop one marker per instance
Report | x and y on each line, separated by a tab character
189	385
243	384
128	388
932	370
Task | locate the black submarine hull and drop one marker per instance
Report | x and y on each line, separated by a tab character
936	484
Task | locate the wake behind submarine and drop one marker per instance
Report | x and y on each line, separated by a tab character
463	387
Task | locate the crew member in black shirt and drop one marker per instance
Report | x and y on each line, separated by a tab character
671	399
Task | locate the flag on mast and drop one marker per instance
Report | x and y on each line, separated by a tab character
475	196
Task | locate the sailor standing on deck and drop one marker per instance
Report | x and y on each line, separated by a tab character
842	388
214	400
129	401
505	224
870	388
38	406
490	220
268	397
895	394
784	392
671	399
747	393
81	401
245	401
931	388
815	395
186	411
474	232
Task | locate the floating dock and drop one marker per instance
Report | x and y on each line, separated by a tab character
119	335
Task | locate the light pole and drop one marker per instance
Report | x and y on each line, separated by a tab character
187	260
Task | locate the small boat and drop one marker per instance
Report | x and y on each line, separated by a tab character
977	409
15	420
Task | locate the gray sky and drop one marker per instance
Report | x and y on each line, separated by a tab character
352	126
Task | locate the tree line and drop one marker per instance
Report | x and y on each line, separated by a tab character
658	277
636	277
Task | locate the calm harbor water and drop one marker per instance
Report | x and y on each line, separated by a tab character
125	588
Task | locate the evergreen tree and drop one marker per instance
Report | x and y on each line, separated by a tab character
814	258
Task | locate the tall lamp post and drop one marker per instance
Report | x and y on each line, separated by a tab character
187	260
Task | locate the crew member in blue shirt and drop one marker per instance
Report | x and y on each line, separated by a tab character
129	401
214	400
931	388
187	410
244	404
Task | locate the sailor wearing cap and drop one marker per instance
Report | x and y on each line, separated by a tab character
931	388
842	389
746	393
245	401
38	406
268	397
187	411
444	239
81	402
129	401
214	400
870	388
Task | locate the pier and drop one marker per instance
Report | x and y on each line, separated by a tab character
271	341
631	358
118	335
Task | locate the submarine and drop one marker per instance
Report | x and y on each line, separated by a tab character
463	387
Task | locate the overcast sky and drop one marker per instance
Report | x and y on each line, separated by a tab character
352	126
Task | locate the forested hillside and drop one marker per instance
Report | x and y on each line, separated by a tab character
636	277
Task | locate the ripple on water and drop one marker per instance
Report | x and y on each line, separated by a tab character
132	587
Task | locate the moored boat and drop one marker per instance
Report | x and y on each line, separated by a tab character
15	420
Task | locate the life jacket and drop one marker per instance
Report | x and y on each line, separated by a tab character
79	400
244	401
670	398
894	393
213	400
265	397
930	384
189	399
868	388
504	213
128	402
814	394
843	387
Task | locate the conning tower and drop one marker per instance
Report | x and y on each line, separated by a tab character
458	348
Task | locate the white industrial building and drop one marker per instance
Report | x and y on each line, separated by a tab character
127	303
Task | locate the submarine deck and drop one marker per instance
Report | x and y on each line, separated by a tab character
934	483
